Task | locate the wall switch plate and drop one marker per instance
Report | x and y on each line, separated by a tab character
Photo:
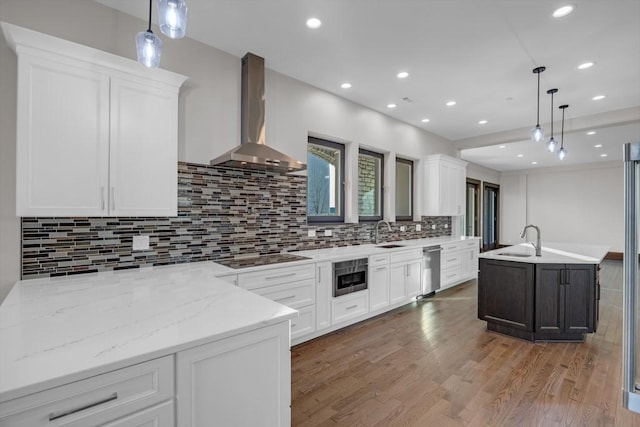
140	243
328	233
418	227
446	226
403	228
311	233
433	226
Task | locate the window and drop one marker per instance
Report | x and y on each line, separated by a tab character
370	181
404	190
325	178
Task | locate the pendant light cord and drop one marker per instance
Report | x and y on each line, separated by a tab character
552	114
562	133
538	112
150	5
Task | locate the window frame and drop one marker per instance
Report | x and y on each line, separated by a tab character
413	183
340	177
372	218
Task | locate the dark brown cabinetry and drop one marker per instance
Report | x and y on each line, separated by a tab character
538	301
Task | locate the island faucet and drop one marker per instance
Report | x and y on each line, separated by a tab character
378	226
537	245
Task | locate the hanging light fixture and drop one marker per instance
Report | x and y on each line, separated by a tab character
148	46
562	153
172	18
552	144
537	134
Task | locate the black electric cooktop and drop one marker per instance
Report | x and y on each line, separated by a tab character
259	260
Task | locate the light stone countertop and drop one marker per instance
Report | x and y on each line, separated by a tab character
57	330
552	253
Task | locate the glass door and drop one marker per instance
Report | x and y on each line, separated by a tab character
630	320
472	217
490	216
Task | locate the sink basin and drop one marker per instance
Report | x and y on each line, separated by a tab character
518	254
390	246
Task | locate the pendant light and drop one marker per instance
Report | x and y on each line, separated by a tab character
172	18
552	144
148	46
562	153
537	133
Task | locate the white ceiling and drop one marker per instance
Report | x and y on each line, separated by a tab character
479	53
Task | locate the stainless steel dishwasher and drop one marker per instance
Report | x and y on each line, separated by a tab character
430	270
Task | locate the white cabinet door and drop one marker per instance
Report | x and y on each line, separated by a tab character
397	288
323	295
378	287
445	178
143	149
469	260
413	279
62	138
158	416
241	381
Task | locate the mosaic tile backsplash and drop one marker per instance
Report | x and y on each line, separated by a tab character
222	213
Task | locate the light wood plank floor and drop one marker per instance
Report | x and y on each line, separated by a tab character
432	363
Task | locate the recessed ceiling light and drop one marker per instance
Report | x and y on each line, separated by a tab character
520	155
482	122
591	132
345	85
391	105
534	163
603	155
451	103
502	146
563	11
314	23
599	97
586	65
597	146
403	75
425	120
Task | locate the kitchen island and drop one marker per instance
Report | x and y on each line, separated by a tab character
552	297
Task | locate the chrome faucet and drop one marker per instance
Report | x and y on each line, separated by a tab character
377	228
537	245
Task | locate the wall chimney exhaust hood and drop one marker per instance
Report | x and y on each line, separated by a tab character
253	153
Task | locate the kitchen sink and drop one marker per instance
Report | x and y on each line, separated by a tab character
517	254
390	246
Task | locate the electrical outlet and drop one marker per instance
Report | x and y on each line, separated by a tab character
311	233
140	243
433	226
328	233
446	226
403	228
418	227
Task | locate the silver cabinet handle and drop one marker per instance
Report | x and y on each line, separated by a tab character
381	268
280	276
285	298
113	198
319	274
57	415
351	307
102	197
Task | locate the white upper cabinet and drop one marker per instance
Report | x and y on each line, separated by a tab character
444	179
97	134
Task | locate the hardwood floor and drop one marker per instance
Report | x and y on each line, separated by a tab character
432	363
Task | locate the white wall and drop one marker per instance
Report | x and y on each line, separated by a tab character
209	102
482	174
580	204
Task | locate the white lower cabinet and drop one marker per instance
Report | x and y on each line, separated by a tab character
397	288
241	381
305	323
378	284
469	259
158	416
324	280
405	275
349	306
98	400
459	262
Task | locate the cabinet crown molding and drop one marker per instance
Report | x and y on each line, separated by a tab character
26	41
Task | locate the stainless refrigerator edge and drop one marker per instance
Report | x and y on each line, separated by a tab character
630	362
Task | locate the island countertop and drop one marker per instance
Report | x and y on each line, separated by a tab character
57	330
552	253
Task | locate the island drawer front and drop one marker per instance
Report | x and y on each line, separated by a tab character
276	276
294	295
406	255
376	260
450	260
450	247
305	323
349	306
95	400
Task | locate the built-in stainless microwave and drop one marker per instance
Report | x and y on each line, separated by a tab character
349	276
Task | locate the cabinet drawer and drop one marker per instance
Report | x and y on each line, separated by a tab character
276	276
406	255
158	416
294	295
450	260
451	247
305	323
96	400
349	306
470	244
375	260
450	276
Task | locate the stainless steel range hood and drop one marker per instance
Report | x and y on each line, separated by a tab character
253	153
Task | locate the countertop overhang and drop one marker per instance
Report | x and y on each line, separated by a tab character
552	253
